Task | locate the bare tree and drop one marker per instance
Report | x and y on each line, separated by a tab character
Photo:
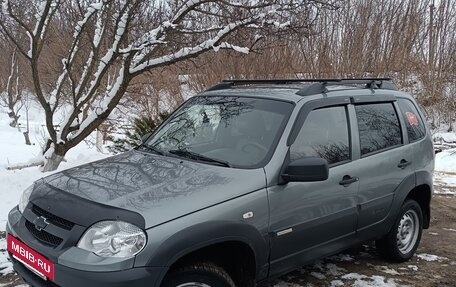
11	97
126	38
26	103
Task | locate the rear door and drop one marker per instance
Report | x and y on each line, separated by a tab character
384	162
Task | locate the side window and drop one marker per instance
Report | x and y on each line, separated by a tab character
324	134
379	127
413	121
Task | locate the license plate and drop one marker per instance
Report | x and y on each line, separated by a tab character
31	259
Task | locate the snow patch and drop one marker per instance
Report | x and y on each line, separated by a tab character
449	229
387	270
430	257
6	267
318	275
337	283
372	281
445	161
342	258
444	137
335	270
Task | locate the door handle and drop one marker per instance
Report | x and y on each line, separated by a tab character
347	180
404	163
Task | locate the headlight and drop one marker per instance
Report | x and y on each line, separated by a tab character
25	198
113	239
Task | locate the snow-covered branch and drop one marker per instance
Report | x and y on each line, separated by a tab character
187	52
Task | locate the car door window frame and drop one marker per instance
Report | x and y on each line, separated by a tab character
321	104
372	101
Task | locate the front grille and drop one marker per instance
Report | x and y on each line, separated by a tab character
43	236
52	218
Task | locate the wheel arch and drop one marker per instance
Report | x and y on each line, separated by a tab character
422	194
213	241
417	186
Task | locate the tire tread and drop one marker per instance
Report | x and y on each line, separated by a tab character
205	267
387	246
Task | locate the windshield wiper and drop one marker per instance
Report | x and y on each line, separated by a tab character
151	148
193	155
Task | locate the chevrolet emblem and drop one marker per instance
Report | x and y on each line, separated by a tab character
40	223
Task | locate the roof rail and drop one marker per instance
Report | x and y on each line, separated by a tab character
318	86
370	83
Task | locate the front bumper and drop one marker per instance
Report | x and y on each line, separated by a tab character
67	277
86	276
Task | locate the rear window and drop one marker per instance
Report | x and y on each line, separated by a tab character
379	127
415	126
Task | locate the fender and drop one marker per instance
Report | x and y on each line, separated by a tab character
424	177
209	233
402	191
381	228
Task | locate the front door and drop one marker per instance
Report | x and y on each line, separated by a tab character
311	219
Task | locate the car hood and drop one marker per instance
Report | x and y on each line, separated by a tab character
160	188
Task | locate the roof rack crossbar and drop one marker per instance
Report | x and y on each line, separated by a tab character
318	85
370	83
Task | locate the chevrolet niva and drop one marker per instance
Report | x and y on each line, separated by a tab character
242	183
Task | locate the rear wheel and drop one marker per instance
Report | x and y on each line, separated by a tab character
199	275
402	241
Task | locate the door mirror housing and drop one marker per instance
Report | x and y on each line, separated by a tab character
306	169
145	137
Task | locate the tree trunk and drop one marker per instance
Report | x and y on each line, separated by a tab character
99	141
54	155
14	119
27	138
52	162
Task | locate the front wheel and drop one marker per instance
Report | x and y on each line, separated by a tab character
199	275
401	242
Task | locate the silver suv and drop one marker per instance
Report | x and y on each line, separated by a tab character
244	182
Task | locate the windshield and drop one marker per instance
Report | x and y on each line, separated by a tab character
237	131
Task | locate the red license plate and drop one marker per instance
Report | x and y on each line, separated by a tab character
34	261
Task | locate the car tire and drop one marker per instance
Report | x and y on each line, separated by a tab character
199	275
401	242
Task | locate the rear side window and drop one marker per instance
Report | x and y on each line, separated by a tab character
324	134
379	127
413	121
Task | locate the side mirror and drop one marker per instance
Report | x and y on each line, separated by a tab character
145	137
306	169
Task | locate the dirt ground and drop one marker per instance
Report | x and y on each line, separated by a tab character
433	265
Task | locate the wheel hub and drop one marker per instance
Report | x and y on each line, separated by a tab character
407	232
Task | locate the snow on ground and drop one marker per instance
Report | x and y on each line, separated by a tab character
445	172
431	257
444	137
324	270
13	151
360	280
445	161
5	266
